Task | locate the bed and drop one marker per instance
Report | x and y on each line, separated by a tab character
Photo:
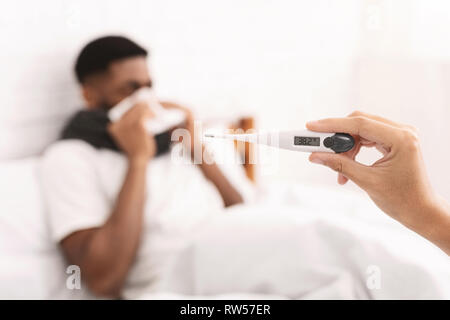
306	249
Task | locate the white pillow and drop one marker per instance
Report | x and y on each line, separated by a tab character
31	266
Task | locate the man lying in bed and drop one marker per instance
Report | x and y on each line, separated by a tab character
111	210
137	223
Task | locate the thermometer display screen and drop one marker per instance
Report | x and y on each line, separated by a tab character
306	141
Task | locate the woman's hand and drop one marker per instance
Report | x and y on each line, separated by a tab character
398	182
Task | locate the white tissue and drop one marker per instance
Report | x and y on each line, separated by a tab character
164	119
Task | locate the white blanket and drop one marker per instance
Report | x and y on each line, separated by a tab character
298	242
343	248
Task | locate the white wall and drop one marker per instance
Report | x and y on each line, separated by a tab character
284	61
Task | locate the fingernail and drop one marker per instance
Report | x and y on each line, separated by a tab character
317	160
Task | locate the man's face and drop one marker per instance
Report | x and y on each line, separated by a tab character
122	78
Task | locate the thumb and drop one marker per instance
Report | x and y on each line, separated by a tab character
357	172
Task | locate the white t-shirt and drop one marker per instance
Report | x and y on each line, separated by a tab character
81	184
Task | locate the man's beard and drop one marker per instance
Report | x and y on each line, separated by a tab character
105	106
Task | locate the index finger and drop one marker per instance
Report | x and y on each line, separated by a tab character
363	127
382	119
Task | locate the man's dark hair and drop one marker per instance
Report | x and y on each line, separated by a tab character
98	54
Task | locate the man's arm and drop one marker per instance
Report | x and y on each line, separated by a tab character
212	172
105	254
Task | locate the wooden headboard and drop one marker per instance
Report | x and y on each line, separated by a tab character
245	124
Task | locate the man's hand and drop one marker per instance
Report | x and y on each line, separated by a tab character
130	133
398	182
188	124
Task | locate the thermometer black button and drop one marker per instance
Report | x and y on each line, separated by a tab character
328	142
340	142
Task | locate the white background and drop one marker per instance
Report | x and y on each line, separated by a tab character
284	62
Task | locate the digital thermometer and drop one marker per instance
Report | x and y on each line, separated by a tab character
296	140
